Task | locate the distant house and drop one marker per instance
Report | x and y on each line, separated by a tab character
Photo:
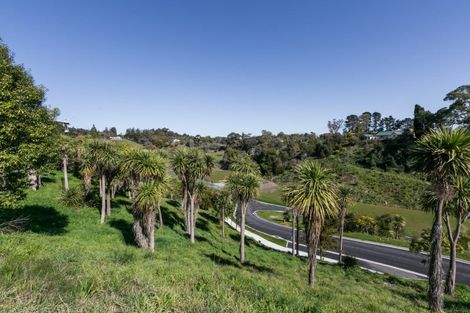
175	142
64	124
115	138
369	137
382	135
388	134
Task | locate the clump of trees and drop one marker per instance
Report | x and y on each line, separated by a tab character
191	165
387	225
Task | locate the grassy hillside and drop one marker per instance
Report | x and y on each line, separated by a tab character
374	186
65	261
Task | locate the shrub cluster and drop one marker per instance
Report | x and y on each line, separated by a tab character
387	225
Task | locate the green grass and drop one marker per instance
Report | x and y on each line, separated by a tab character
272	196
275	240
217	155
416	220
389	241
65	261
219	175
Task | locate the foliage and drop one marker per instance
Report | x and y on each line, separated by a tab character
366	224
73	197
28	133
422	242
349	262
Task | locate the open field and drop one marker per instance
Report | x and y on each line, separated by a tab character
65	261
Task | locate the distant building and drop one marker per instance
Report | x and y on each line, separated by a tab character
382	135
115	138
387	135
369	137
175	142
64	124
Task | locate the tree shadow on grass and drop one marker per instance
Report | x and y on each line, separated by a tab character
209	217
171	219
39	219
418	295
126	230
235	262
48	179
174	203
120	202
248	241
456	305
202	224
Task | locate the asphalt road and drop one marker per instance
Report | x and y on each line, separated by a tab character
395	261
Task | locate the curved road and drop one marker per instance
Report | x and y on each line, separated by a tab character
382	258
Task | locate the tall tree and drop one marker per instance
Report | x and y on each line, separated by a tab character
459	208
191	165
28	133
223	204
335	125
102	156
460	108
422	121
144	166
145	204
365	122
243	183
344	193
442	155
314	193
376	117
352	123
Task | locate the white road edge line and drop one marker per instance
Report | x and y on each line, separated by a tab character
349	238
277	247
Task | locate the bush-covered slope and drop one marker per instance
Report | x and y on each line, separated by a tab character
374	186
65	261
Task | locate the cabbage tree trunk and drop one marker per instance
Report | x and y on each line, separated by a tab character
312	230
435	288
65	171
103	198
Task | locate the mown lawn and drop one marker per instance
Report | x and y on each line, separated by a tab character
65	261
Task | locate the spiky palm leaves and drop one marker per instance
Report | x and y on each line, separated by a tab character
191	165
243	183
442	154
145	205
102	158
314	193
147	177
141	166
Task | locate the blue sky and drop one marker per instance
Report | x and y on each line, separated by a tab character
212	67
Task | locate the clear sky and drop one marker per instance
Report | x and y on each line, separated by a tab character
212	67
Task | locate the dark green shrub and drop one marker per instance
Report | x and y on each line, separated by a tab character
74	197
349	262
